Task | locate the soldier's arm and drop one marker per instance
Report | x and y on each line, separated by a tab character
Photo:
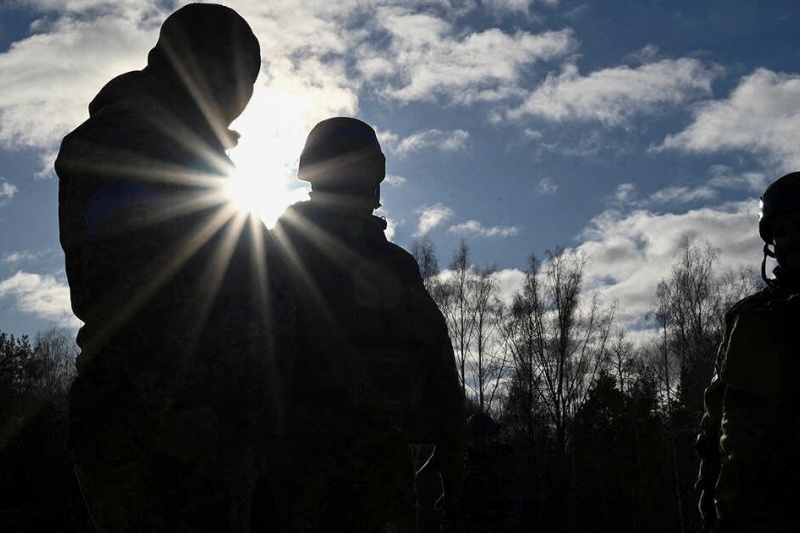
445	424
707	443
448	424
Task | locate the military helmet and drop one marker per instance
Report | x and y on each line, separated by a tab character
782	196
342	153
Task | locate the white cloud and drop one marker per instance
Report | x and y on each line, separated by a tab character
682	195
391	223
17	257
7	191
431	216
49	78
532	134
394	181
312	57
507	6
40	295
431	59
612	96
446	141
723	177
626	192
476	228
546	186
761	116
630	253
509	282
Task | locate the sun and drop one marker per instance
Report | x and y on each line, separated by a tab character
272	135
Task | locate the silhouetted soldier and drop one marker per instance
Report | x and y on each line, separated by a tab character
168	412
372	368
749	441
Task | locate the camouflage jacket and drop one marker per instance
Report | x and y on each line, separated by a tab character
373	349
750	431
167	277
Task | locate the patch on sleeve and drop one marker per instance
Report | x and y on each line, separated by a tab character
114	199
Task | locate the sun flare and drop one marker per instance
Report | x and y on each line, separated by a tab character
272	132
257	195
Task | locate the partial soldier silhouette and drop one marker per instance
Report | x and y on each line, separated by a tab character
371	370
168	412
750	432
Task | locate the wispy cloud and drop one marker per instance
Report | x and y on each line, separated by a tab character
514	7
682	195
626	193
446	141
473	227
724	177
394	181
7	191
18	257
613	95
546	186
431	216
433	60
761	116
40	295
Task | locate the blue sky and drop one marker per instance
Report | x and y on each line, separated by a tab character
612	128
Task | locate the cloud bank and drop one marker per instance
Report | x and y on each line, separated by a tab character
761	117
40	295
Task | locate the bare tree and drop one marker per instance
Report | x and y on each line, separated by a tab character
425	254
31	375
454	298
56	350
621	353
689	311
559	345
487	362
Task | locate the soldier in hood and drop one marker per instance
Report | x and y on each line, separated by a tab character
168	411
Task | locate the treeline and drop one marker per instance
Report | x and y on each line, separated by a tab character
36	481
596	429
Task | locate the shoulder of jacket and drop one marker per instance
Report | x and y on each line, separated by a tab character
753	301
403	258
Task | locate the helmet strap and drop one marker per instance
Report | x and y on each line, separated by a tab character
767	253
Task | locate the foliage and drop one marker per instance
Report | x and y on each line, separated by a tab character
594	421
596	430
36	479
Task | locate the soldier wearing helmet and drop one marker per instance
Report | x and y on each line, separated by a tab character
371	367
750	431
167	414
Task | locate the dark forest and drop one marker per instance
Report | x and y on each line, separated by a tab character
595	423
